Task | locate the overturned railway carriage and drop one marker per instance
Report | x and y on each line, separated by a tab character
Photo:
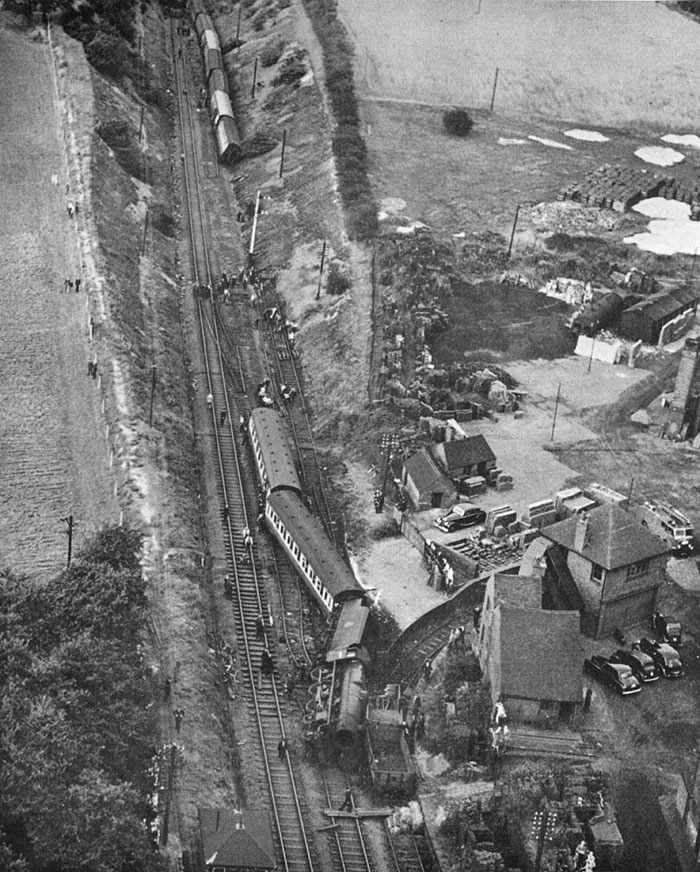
273	458
328	577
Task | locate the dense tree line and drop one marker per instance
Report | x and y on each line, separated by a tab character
76	722
107	29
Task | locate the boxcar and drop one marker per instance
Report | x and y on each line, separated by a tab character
228	141
212	61
220	106
210	40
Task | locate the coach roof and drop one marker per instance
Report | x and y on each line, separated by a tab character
274	447
334	573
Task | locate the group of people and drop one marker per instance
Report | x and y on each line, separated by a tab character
70	284
498	730
442	575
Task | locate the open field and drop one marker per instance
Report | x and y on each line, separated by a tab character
608	63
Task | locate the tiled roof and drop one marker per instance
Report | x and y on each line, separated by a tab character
517	590
614	538
237	838
424	472
541	654
467	452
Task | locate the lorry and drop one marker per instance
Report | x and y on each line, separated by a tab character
669	524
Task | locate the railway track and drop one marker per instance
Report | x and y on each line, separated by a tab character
294	847
284	372
231	368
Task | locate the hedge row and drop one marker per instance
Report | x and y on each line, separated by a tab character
349	147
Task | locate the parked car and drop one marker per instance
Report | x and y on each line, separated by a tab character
460	516
667	628
641	664
618	675
667	659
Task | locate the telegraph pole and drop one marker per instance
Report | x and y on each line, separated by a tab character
70	525
320	271
556	407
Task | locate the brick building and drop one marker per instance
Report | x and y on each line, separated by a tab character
616	565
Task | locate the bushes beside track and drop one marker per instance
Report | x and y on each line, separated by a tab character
76	722
349	147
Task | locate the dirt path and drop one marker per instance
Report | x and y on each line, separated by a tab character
53	452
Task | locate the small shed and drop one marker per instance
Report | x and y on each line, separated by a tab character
646	319
462	458
426	486
237	839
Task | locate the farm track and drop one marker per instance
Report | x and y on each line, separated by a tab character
294	848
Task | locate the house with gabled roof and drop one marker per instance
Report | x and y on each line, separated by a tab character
531	658
464	458
426	486
616	564
235	839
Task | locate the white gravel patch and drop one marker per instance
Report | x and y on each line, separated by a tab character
691	140
552	143
657	154
659	207
671	231
587	135
504	140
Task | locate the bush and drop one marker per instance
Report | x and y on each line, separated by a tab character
271	52
109	54
337	281
457	122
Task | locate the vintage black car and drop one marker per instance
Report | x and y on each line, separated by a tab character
619	676
667	628
666	658
641	664
460	516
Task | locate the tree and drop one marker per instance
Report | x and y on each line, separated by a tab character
457	122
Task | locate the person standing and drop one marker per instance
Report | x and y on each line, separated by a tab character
347	801
178	714
210	401
77	285
222	417
282	749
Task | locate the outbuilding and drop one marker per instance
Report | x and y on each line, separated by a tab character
463	458
236	840
646	319
426	486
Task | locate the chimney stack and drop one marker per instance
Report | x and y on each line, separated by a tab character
581	531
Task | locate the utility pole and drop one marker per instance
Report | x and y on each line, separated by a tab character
255	79
284	145
69	530
543	825
493	93
629	493
251	251
320	271
153	391
145	231
389	444
556	407
512	232
590	356
143	109
238	26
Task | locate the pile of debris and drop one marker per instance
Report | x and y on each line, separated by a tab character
615	187
570	217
